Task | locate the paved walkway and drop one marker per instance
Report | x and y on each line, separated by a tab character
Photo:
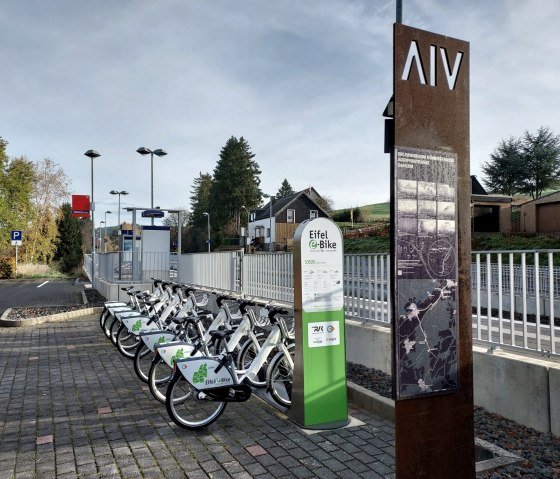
72	406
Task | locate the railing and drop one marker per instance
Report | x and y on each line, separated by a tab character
87	265
516	297
126	266
215	270
269	275
515	294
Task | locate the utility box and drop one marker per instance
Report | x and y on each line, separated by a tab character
155	252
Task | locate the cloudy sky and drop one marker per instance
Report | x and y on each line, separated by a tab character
305	82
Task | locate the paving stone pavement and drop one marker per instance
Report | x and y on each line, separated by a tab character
72	406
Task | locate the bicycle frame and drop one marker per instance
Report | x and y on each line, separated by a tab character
272	342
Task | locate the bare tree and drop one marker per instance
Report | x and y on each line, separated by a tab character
50	190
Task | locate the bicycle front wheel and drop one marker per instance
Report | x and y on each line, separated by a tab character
186	409
280	376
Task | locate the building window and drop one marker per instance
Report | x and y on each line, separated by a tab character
291	216
268	232
313	214
252	217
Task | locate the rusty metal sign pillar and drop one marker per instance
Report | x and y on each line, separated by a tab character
432	341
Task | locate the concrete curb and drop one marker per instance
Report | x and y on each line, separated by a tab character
7	323
372	401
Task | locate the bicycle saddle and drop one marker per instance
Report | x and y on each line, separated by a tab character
219	334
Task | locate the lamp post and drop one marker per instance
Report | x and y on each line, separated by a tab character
247	230
115	192
92	154
270	197
159	152
208	216
105	232
100	223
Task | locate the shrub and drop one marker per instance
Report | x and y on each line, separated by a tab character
7	267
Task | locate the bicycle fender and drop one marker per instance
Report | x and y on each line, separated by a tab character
200	372
139	324
171	352
126	314
151	338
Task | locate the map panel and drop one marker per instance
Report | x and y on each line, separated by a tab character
426	331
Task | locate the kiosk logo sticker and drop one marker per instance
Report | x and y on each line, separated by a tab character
326	333
319	240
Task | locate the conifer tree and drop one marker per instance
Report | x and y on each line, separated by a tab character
235	183
285	189
69	243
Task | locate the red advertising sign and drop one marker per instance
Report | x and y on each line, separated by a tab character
80	206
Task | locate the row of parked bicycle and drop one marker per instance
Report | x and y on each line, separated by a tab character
195	362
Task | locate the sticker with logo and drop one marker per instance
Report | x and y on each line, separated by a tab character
323	334
136	326
178	355
201	374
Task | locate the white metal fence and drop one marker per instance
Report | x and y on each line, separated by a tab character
521	316
214	270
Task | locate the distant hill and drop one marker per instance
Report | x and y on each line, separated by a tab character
368	213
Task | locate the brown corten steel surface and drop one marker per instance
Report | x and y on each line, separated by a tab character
435	434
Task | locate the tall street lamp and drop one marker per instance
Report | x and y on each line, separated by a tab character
105	232
270	197
124	193
159	152
208	216
92	154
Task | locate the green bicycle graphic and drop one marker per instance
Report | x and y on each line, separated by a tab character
201	374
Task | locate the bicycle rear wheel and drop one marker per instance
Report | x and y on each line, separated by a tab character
113	329
103	317
158	379
280	376
142	361
186	409
127	342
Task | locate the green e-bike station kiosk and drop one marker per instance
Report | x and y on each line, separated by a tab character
319	395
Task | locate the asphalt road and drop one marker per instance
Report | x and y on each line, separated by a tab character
39	293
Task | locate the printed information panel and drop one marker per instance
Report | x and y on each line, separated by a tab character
426	272
322	269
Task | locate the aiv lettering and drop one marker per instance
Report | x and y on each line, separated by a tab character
415	58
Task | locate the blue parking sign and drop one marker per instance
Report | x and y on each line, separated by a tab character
16	237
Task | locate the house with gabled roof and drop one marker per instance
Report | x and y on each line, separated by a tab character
287	214
489	213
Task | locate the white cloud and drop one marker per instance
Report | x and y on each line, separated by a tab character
304	82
